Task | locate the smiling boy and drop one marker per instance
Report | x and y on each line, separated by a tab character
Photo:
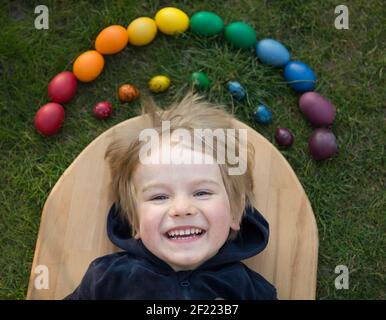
184	213
184	227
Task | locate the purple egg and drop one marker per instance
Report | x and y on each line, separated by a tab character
284	137
317	109
322	144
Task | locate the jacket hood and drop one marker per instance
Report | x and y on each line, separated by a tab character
251	239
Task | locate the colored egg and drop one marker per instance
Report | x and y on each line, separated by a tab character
49	119
88	66
272	52
317	109
322	144
159	84
240	35
142	31
299	76
103	109
206	23
200	80
128	93
236	89
111	40
62	87
172	20
284	137
263	115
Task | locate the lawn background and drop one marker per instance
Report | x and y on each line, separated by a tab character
346	192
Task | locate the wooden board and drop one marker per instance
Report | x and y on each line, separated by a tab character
73	224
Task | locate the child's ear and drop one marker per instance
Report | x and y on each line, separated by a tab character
137	235
235	225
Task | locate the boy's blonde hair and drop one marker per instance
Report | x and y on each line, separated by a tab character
192	112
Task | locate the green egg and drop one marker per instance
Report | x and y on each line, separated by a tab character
206	23
240	35
200	80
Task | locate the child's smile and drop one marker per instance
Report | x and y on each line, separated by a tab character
185	234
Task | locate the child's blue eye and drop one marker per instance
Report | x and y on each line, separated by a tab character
159	198
198	194
203	193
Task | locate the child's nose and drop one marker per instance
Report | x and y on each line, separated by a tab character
181	206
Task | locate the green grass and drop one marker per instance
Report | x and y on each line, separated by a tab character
346	192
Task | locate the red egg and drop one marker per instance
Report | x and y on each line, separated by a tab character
62	87
49	118
317	109
103	109
322	144
284	137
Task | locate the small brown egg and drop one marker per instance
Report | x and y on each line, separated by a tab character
128	93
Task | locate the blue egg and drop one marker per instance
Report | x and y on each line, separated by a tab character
263	115
236	89
272	52
299	76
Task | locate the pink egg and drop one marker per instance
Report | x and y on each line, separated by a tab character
103	109
62	87
317	109
49	118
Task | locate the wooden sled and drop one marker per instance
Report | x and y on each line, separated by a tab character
73	224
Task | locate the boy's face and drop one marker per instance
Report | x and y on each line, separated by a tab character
184	198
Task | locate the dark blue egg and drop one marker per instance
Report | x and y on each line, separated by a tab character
272	52
263	115
299	76
236	89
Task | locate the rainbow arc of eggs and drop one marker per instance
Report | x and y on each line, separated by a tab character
317	109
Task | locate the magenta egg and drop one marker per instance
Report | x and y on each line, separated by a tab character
49	118
62	87
284	137
322	144
103	109
318	110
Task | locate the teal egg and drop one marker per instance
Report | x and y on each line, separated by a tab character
206	23
240	35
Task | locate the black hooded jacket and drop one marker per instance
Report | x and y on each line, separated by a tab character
136	273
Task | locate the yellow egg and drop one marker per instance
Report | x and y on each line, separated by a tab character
111	40
159	83
88	66
172	20
142	31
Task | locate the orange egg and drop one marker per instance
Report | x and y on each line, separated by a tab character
88	66
111	40
128	93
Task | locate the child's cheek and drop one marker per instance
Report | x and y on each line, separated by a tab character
220	216
150	225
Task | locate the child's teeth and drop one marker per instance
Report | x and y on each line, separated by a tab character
186	232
